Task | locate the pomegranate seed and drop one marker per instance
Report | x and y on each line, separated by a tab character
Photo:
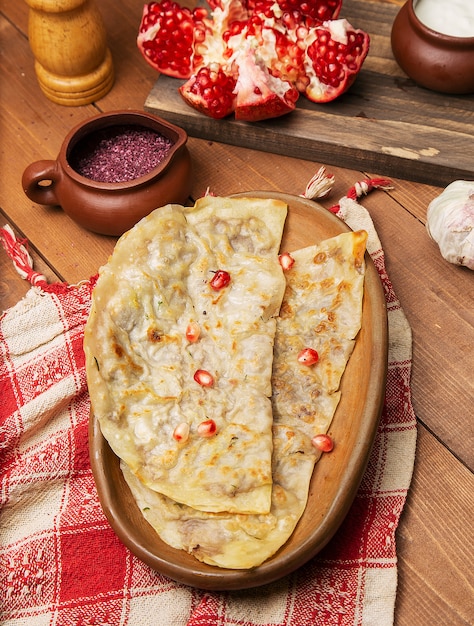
204	378
286	261
207	428
181	432
192	332
220	280
308	356
323	443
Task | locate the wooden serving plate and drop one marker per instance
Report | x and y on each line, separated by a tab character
336	476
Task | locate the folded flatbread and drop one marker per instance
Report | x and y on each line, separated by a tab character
145	374
322	310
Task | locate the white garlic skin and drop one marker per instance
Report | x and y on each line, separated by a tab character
450	222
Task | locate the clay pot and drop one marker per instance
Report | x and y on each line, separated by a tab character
111	208
433	60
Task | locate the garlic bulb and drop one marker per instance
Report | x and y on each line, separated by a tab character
450	222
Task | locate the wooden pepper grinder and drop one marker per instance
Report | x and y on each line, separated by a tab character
72	61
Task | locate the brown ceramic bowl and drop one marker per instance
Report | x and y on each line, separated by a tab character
439	62
111	208
337	475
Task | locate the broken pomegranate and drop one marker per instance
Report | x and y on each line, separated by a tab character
333	59
259	94
211	91
253	58
169	34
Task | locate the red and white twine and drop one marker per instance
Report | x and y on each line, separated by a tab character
363	187
17	250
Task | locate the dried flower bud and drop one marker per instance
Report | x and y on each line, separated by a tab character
320	185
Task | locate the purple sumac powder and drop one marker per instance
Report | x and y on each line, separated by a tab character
119	153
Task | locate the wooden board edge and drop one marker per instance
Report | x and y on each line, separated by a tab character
330	139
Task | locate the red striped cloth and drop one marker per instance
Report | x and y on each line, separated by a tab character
60	562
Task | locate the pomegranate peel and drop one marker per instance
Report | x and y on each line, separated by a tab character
210	91
160	22
334	54
259	94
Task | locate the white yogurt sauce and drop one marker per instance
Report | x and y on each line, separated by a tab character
449	17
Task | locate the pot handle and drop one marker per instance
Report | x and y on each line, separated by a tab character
39	182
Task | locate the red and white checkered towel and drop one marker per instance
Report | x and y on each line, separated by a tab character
60	562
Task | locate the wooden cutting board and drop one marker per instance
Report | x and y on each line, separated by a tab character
385	124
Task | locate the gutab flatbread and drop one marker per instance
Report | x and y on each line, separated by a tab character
322	311
179	350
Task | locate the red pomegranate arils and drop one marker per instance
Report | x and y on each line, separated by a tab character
181	432
208	428
322	442
286	261
204	378
220	280
253	58
308	356
193	331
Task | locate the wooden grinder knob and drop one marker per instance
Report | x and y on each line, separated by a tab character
72	61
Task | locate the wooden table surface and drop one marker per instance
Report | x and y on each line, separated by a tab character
435	535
